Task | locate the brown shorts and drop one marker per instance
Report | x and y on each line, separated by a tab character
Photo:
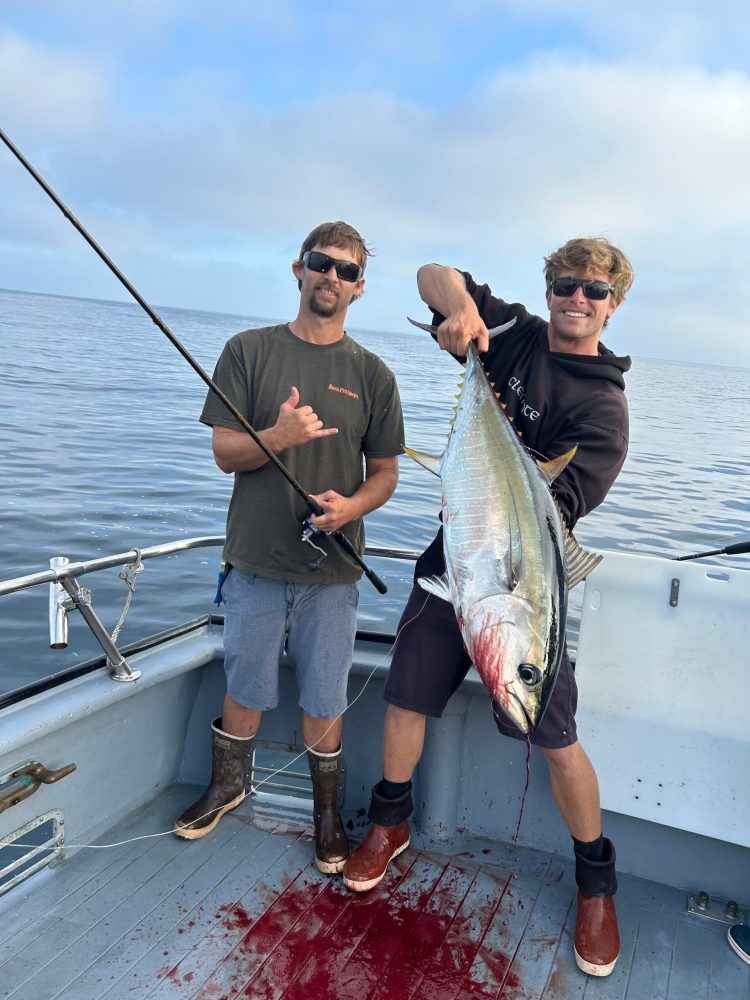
430	661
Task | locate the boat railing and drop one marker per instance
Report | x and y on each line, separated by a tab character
66	594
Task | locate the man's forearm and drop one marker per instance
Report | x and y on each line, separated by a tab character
374	491
237	451
442	288
444	291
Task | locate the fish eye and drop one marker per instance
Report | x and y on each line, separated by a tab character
529	674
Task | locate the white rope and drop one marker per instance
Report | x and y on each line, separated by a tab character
166	833
128	574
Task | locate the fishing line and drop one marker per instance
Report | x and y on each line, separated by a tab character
165	833
312	504
527	737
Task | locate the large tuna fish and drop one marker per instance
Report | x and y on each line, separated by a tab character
510	558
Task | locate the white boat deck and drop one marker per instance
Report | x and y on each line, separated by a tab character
244	913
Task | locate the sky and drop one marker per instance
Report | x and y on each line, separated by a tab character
199	143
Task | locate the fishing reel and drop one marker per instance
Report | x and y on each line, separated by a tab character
309	531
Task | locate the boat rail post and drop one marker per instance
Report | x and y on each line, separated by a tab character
119	668
59	605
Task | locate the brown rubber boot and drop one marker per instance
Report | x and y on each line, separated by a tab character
596	940
386	839
227	788
331	845
369	862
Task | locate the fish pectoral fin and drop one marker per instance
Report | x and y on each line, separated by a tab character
428	327
577	562
501	329
436	585
552	469
430	462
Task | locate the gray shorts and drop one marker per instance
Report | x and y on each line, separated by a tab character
316	623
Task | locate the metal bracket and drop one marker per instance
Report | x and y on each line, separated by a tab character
83	596
674	593
726	912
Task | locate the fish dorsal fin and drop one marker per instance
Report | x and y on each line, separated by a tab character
552	469
577	562
436	585
430	462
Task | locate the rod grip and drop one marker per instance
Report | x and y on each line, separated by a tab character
738	549
347	546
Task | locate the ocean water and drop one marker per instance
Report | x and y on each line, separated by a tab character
103	452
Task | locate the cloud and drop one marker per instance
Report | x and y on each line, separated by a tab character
49	90
207	188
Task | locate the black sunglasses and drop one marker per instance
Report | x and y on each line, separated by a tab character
564	287
322	263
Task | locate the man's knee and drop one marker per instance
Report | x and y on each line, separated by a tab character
401	723
566	761
404	719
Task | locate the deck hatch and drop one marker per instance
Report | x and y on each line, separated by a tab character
30	848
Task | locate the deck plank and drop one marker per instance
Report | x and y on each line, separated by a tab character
233	919
182	960
244	913
321	973
228	877
299	935
236	969
393	923
490	969
451	961
74	943
690	973
532	963
652	962
413	959
203	863
68	883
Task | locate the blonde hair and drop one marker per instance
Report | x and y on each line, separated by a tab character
589	254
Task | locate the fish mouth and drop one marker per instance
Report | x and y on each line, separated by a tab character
524	717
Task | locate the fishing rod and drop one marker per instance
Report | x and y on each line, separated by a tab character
312	504
737	549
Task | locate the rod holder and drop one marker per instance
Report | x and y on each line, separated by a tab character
119	668
58	612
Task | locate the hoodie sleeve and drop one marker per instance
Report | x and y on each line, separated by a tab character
494	311
602	446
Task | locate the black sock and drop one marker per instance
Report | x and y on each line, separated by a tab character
393	789
591	850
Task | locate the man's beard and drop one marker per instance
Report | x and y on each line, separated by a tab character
324	309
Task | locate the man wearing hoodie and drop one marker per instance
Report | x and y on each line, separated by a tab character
561	388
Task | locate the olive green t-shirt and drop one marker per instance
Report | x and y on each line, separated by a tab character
349	388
